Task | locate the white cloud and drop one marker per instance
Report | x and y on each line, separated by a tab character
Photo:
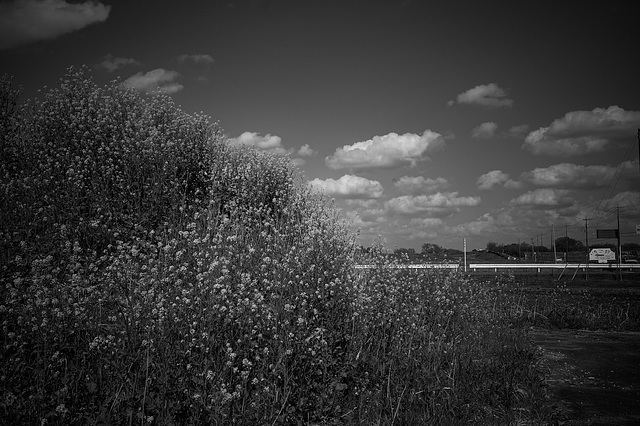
200	58
485	225
415	185
269	143
428	222
158	80
544	197
349	186
570	175
440	204
388	151
112	63
25	21
519	131
485	130
625	199
306	151
489	95
583	132
496	177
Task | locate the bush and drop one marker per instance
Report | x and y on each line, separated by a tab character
153	274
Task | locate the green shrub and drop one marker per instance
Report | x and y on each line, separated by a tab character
153	274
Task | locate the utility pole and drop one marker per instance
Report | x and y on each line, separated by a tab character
553	242
533	250
586	234
619	245
566	241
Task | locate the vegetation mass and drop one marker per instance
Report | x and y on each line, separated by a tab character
152	274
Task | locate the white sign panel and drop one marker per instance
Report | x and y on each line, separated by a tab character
602	255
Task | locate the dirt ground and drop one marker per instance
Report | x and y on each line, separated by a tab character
593	376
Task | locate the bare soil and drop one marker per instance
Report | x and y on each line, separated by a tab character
593	376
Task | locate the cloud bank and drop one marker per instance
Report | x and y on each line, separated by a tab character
487	95
583	132
349	186
568	175
485	130
112	63
440	204
306	151
268	142
158	80
494	178
388	151
26	21
417	185
199	58
544	197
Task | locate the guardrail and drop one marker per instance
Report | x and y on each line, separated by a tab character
538	266
414	266
475	267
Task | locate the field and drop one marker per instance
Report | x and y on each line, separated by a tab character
590	345
151	274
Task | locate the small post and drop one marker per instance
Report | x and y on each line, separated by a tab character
464	245
619	245
586	235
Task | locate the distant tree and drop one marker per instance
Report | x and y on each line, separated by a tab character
429	248
513	250
401	250
569	244
492	246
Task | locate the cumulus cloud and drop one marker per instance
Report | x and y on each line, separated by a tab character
427	222
112	63
583	132
440	204
349	186
269	143
485	130
488	95
388	151
544	197
569	175
158	80
488	223
415	185
518	131
200	58
26	21
496	177
625	199
306	151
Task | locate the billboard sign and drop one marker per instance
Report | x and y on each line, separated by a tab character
602	255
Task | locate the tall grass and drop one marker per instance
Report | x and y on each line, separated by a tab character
152	274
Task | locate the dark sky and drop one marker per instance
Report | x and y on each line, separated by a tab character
429	121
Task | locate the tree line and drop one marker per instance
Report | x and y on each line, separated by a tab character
562	244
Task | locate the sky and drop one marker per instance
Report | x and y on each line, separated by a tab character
438	122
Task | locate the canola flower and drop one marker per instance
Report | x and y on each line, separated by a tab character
153	274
